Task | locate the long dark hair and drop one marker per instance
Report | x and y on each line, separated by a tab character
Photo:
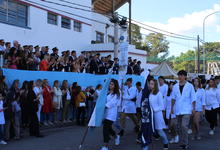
116	88
169	89
25	85
156	88
30	86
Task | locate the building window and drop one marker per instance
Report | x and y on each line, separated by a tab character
99	37
66	23
77	26
110	39
51	18
13	12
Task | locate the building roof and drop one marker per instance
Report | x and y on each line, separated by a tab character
164	70
106	6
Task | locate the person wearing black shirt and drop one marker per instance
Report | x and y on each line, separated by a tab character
55	53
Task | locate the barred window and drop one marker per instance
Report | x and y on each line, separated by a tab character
52	18
13	12
110	39
77	26
99	37
66	23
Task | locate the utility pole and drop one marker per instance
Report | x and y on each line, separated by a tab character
198	55
116	28
130	21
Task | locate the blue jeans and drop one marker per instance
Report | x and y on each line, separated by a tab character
1	132
145	148
163	136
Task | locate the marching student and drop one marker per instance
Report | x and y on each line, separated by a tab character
183	98
157	106
111	110
2	121
129	105
212	99
200	107
172	120
138	101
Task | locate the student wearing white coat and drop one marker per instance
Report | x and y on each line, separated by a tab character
199	108
2	121
212	100
163	88
129	105
157	106
184	100
57	100
39	93
111	111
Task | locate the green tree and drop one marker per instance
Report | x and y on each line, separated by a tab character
136	36
156	45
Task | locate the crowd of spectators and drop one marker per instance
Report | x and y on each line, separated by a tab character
29	57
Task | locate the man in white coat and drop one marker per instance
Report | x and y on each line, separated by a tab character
129	105
183	97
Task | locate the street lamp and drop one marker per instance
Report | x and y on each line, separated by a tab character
204	51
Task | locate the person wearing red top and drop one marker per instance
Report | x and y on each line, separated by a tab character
44	65
47	108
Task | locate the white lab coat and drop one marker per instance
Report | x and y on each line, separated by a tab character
212	98
111	105
183	102
57	97
129	106
163	90
138	99
200	100
157	106
2	117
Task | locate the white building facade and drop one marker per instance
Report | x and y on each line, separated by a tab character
67	26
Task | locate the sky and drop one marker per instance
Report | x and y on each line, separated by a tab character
178	16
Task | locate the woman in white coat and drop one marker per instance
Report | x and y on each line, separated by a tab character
57	100
199	108
157	105
113	98
212	99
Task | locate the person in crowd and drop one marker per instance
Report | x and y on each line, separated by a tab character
157	105
2	46
128	105
137	68
24	105
200	107
47	108
3	86
183	96
36	48
212	99
138	101
44	64
94	65
2	120
112	100
66	98
172	120
55	53
12	58
90	100
39	93
116	66
57	100
80	104
33	105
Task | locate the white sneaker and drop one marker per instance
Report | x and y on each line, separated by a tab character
3	142
211	132
189	131
176	139
172	141
117	140
104	148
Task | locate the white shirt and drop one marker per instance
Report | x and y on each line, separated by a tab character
38	90
2	118
2	48
138	99
200	99
155	102
129	106
212	98
183	102
111	110
163	90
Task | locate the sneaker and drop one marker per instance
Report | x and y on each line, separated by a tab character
172	141
184	146
117	140
104	148
199	138
211	132
165	146
176	139
138	141
3	142
189	131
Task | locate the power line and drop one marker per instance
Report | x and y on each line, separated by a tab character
66	12
75	4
